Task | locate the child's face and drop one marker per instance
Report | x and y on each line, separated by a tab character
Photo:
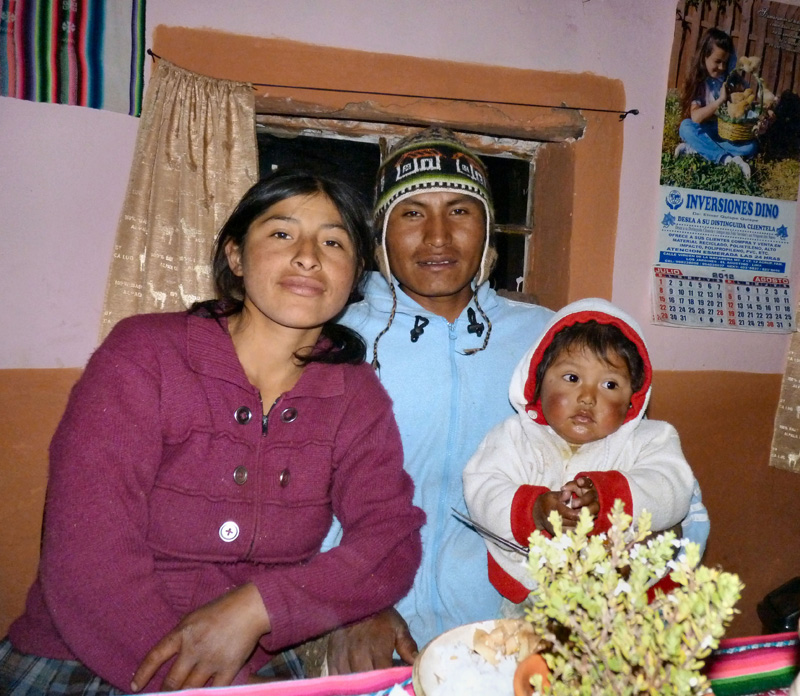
717	62
585	398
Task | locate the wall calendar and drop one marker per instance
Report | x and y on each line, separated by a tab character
723	262
720	301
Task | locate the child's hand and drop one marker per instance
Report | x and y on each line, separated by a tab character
581	493
554	500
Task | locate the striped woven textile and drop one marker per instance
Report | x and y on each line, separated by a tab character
760	665
81	52
377	683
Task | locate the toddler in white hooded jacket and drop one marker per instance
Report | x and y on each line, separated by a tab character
580	438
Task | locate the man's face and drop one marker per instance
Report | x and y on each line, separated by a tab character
435	242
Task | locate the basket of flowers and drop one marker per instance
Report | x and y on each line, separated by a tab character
739	117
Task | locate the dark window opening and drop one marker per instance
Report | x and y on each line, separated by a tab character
509	179
509	271
353	161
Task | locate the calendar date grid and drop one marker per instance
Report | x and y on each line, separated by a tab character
722	301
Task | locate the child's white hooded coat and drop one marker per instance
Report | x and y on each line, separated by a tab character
641	463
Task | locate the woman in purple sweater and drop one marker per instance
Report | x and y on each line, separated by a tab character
200	460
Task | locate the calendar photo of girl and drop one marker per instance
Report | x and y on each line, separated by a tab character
732	109
730	167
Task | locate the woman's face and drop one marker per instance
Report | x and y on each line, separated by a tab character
717	62
297	262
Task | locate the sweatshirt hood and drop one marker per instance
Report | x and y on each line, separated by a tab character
523	381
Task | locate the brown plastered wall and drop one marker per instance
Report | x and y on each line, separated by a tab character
31	404
725	421
576	207
548	278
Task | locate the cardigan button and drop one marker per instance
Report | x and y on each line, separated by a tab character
289	415
243	415
283	479
240	475
229	531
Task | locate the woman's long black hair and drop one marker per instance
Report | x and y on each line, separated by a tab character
343	345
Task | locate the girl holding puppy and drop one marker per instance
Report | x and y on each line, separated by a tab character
704	91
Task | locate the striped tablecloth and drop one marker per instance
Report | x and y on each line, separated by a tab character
755	665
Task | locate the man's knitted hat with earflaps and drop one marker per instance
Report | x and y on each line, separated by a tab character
431	161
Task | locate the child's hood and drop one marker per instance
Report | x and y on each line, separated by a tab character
523	380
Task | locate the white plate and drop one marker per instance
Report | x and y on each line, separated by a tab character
423	675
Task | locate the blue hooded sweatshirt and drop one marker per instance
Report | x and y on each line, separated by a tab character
445	403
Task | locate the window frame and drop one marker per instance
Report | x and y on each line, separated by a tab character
385	135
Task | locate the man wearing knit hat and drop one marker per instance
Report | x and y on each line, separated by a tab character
445	345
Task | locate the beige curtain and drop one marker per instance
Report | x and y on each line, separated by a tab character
195	156
785	453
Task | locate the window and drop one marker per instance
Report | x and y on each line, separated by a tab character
565	124
355	157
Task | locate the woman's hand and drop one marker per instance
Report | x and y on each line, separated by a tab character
370	644
211	643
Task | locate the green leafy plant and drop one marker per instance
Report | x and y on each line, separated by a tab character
695	172
591	604
780	179
672	121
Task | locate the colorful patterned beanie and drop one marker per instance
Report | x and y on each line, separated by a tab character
431	161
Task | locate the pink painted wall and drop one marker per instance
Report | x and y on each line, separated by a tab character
65	168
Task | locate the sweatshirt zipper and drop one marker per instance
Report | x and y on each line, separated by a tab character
443	510
265	416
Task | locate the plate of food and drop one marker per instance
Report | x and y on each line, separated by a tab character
478	658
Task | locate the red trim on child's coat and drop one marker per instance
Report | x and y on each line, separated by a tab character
522	525
507	586
666	585
610	485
